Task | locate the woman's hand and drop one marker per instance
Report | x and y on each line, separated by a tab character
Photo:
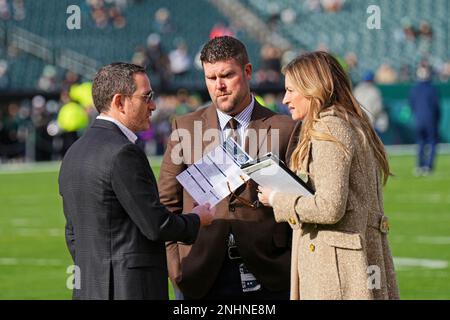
263	195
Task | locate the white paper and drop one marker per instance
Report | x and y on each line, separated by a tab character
206	180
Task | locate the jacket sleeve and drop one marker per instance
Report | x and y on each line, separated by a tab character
69	230
171	194
170	190
135	187
70	236
331	179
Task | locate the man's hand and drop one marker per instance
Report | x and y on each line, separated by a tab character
205	213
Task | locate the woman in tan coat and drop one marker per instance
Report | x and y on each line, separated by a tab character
340	248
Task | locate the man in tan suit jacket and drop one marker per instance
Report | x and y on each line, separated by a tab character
244	253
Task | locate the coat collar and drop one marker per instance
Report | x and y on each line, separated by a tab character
328	112
105	124
257	124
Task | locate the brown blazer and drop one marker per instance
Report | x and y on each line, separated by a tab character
263	244
339	250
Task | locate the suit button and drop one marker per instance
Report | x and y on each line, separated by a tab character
292	221
232	207
312	247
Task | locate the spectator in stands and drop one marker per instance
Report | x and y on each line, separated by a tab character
41	118
409	32
161	121
424	102
108	13
5	13
322	46
351	59
72	119
158	62
162	23
4	78
385	74
288	16
48	81
425	31
288	56
180	60
194	101
220	30
182	105
444	72
312	6
70	78
425	38
100	17
270	102
12	139
273	21
269	71
116	18
404	73
18	10
369	96
140	56
332	5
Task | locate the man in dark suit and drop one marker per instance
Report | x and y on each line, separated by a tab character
244	253
116	226
424	102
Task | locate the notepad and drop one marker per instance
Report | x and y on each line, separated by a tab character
269	171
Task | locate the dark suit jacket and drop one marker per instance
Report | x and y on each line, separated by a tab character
116	226
263	243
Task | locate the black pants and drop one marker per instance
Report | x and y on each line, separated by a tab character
228	286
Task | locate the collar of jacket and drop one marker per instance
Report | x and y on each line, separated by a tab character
328	112
257	122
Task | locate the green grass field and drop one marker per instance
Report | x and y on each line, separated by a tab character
34	258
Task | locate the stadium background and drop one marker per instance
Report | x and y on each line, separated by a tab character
45	66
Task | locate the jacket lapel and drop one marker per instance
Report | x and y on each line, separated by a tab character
210	129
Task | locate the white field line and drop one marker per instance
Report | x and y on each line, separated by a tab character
411	149
52	166
37	232
398	261
6	261
21	222
432	240
405	262
28	170
37	167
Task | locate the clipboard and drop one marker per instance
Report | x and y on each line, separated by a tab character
269	171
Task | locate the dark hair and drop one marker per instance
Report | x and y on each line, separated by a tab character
224	48
111	79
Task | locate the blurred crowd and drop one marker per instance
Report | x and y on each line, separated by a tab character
12	9
38	128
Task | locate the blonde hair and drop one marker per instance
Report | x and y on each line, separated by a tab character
321	79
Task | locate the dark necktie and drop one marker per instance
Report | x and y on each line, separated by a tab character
232	123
